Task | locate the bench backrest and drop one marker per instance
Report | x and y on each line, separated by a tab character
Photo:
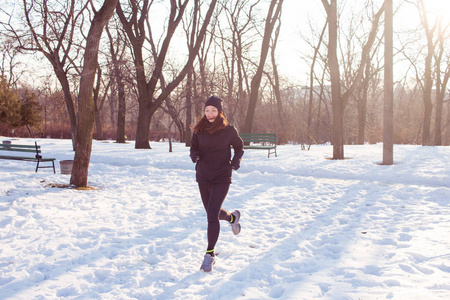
20	148
259	137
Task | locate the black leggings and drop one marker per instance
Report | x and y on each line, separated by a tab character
213	196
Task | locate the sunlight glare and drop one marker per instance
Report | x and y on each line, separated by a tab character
438	9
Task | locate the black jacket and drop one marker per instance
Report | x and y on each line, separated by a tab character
213	151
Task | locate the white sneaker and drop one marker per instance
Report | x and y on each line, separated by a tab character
235	226
208	262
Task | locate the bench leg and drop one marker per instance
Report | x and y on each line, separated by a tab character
53	166
268	152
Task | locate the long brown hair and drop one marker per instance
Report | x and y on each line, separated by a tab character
203	125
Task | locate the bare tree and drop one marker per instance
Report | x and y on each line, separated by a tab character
234	40
370	70
272	18
135	29
276	77
428	76
117	49
9	62
191	27
50	29
310	135
338	99
85	101
189	77
442	59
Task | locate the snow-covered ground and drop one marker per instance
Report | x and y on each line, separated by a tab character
312	228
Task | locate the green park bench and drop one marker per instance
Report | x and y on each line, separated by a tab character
264	141
26	153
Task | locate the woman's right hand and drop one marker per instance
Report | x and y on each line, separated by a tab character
195	157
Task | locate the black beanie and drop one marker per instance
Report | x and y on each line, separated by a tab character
214	101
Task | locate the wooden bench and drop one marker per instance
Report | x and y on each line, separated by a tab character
264	141
34	154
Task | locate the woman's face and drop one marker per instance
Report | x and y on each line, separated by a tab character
211	113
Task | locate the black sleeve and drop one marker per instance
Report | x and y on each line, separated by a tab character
238	146
194	152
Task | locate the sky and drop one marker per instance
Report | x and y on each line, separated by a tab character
291	47
296	14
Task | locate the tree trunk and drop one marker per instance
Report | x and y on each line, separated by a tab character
188	104
388	107
319	108
98	126
337	102
438	123
189	76
276	79
143	122
98	106
427	104
143	129
441	86
447	125
120	133
172	111
428	79
311	88
62	78
86	105
121	111
362	106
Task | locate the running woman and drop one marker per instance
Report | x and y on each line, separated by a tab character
211	151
